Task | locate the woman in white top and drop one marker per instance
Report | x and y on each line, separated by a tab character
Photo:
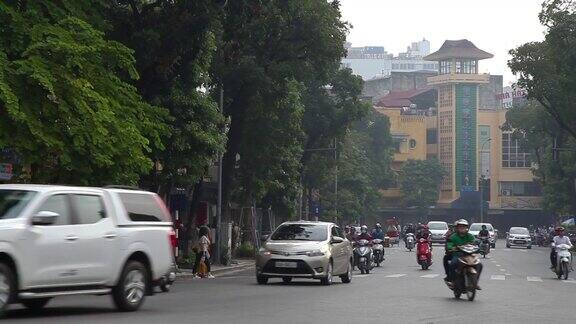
203	250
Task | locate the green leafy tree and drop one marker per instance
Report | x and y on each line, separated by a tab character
536	130
66	109
270	52
546	69
363	169
174	44
420	181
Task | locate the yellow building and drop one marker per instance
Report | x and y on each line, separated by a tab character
447	121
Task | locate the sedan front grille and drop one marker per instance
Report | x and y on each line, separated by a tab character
302	267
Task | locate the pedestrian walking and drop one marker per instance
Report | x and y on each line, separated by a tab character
202	264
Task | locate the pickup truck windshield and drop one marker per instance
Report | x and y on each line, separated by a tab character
12	202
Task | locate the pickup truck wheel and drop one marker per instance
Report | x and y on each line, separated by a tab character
7	287
131	290
35	304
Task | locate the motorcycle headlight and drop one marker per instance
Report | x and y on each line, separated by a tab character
264	251
315	253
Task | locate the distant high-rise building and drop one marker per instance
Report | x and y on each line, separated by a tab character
373	61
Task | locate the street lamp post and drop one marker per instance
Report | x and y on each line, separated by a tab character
482	182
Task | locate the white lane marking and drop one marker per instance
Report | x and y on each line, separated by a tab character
430	276
493	261
398	275
534	279
524	251
360	276
508	274
498	265
572	281
497	277
502	270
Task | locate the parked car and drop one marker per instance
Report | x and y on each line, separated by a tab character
438	231
59	240
302	249
518	236
476	227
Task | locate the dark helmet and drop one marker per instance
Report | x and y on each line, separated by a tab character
483	226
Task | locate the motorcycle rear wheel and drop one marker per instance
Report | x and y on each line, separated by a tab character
425	265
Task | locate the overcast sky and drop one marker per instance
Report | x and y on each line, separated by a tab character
495	26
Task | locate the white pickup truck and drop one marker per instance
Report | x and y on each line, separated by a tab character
58	241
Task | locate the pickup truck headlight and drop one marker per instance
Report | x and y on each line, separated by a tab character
315	253
264	252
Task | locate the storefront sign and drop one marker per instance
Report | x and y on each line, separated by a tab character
6	171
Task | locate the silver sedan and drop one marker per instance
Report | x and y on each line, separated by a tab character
313	250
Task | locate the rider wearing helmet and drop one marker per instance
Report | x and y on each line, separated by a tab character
377	232
558	239
364	234
459	238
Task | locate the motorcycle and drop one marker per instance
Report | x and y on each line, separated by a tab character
466	278
563	261
483	246
378	249
424	254
364	256
410	241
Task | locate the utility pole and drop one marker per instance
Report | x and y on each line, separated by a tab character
219	203
335	181
481	182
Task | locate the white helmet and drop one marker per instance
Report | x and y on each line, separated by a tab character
364	229
461	222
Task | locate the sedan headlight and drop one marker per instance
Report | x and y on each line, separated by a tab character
315	253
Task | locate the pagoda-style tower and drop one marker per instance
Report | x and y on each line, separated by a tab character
457	83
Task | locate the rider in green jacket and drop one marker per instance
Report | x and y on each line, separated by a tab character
460	237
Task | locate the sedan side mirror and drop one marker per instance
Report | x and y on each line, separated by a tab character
45	218
336	240
264	238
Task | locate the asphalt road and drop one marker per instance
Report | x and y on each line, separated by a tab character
517	287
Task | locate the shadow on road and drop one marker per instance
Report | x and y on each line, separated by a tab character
55	311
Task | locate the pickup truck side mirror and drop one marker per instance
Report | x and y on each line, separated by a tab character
45	218
336	240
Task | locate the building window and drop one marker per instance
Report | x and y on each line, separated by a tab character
412	143
514	155
432	136
445	67
519	188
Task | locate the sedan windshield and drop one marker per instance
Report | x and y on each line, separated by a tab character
478	227
437	226
12	202
519	231
300	232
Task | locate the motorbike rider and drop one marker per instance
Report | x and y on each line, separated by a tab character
459	238
423	232
364	234
407	230
377	232
560	238
484	233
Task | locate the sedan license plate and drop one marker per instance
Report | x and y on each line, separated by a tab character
519	242
284	264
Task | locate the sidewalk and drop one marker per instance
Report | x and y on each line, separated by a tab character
218	269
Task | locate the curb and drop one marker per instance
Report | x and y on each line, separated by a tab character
218	271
